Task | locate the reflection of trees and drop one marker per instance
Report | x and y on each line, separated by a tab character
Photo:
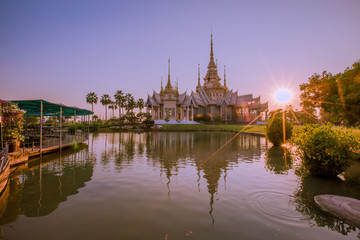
38	189
311	186
278	159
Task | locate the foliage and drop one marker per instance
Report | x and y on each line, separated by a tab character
305	115
96	118
94	126
105	101
13	121
336	96
119	100
324	149
148	120
274	130
217	119
140	104
167	119
92	98
113	106
130	117
130	103
202	118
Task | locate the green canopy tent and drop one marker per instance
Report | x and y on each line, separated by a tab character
42	108
34	108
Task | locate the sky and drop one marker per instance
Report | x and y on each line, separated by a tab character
60	50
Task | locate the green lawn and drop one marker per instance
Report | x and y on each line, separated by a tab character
235	127
355	132
232	127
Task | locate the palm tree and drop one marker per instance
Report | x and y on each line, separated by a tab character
130	102
119	100
92	98
140	104
105	101
113	106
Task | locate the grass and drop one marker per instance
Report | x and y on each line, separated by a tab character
230	127
205	127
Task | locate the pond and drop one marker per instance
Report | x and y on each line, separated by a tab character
164	186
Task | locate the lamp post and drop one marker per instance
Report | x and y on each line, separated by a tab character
283	96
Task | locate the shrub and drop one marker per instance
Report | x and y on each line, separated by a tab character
325	150
72	129
274	131
148	120
167	119
13	121
94	126
217	119
202	118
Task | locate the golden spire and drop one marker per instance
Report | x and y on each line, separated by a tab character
211	52
169	72
199	75
168	87
162	89
177	85
225	76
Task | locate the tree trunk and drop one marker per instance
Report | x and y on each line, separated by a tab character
106	112
92	109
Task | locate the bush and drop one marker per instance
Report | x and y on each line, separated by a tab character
274	131
202	118
217	119
148	120
94	126
325	150
72	129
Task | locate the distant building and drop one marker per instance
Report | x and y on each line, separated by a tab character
211	98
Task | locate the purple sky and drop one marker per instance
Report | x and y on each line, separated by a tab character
61	50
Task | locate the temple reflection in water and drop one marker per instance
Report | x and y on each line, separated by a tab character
166	181
173	150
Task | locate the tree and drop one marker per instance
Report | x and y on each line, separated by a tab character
337	97
130	102
140	104
119	100
113	106
275	130
105	101
92	98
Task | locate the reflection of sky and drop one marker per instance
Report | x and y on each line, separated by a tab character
61	50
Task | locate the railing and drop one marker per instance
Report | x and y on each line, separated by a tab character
51	139
4	160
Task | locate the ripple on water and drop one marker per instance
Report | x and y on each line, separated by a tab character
276	206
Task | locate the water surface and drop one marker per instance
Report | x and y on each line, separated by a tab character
161	186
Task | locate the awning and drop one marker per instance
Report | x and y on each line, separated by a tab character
33	108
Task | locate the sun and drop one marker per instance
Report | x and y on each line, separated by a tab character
283	96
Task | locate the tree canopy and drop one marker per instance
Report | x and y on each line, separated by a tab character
337	97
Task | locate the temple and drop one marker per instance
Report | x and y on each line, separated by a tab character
212	98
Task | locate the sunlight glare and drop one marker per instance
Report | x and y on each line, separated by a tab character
283	96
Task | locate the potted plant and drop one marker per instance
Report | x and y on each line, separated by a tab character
13	123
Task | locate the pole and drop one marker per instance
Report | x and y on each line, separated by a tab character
284	133
60	128
41	125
